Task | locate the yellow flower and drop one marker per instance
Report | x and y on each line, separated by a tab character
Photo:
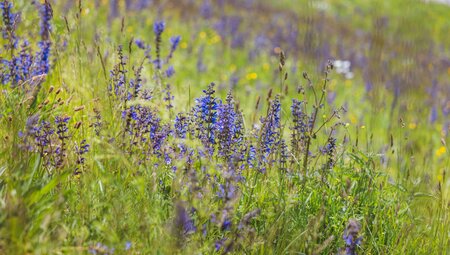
215	39
353	119
412	125
183	45
348	83
441	151
202	35
252	76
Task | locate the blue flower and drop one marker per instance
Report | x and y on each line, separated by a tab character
43	58
181	125
158	27
140	44
9	21
174	41
170	71
183	220
46	13
206	115
128	245
351	239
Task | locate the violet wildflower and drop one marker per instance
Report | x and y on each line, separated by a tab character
183	221
142	4
168	98
118	77
158	29
226	225
433	114
46	13
181	125
24	63
251	156
43	58
114	10
97	124
80	151
62	132
351	237
284	156
170	71
128	245
174	41
42	136
270	133
245	221
219	244
9	23
206	9
299	126
101	249
226	127
135	85
141	44
329	150
206	116
159	138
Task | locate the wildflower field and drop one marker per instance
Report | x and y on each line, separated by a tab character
224	127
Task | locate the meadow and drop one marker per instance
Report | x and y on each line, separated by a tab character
224	127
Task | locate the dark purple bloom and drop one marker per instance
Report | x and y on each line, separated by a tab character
300	126
62	132
9	23
226	127
174	41
158	27
270	133
181	125
351	239
170	71
433	114
43	58
42	134
206	9
206	116
251	156
80	151
183	221
219	244
46	13
226	225
140	44
168	97
284	156
128	245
